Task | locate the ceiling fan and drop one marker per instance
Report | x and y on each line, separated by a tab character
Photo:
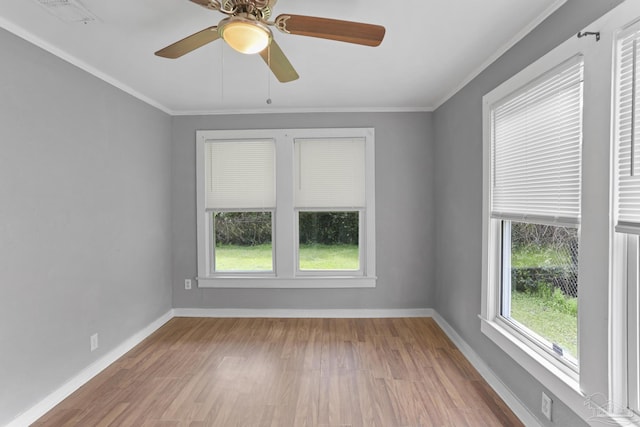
246	29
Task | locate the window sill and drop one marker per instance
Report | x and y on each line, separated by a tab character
333	282
562	385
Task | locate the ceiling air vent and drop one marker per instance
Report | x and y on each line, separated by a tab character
68	10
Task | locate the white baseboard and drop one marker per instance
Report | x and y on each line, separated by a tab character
301	313
57	396
512	401
98	366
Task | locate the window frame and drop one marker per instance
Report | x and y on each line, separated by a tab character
568	365
494	321
625	284
624	404
493	253
284	217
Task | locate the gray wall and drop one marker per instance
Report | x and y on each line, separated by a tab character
97	215
458	179
85	218
404	214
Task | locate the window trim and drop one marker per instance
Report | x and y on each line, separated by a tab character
284	234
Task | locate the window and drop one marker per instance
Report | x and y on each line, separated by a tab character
536	135
329	241
242	241
286	208
239	204
565	219
627	207
540	284
329	200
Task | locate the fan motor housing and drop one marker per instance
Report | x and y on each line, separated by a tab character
261	9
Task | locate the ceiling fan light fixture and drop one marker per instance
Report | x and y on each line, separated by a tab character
245	35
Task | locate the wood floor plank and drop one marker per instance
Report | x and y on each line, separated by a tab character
203	372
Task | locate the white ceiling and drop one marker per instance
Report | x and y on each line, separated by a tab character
430	50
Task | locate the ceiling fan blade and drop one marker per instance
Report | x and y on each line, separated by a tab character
278	62
332	29
189	43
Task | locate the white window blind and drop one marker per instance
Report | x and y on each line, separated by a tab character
330	173
536	148
240	174
627	118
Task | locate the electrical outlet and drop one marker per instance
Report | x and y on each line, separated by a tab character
547	406
94	342
187	284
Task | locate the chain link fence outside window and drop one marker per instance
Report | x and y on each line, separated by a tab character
544	255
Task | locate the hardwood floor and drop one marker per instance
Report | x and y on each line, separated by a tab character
197	372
